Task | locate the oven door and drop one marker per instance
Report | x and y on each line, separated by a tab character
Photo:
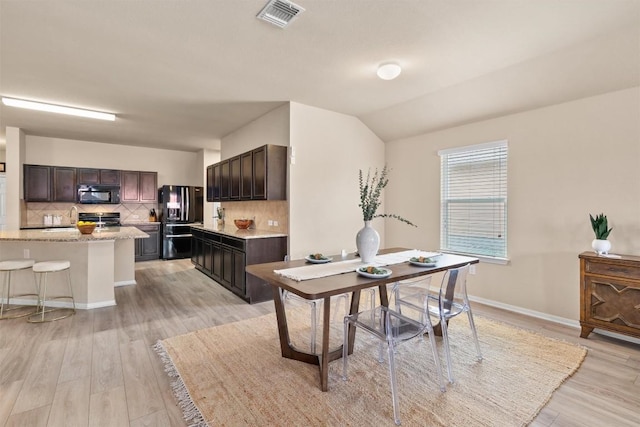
176	241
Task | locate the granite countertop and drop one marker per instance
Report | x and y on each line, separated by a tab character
233	231
68	235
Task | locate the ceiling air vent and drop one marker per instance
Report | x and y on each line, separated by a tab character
280	12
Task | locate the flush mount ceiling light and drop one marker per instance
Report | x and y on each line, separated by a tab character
52	108
280	12
389	71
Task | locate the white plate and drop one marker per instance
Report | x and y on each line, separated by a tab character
423	264
374	276
318	261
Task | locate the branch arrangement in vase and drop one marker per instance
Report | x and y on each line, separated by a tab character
370	192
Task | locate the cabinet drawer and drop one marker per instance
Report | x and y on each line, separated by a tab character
615	270
234	243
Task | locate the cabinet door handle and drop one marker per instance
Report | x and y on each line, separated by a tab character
179	235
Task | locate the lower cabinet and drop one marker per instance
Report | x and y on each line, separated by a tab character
224	258
149	248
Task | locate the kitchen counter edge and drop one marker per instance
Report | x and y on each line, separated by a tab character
71	236
239	234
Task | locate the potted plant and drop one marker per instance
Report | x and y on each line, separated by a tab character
601	229
368	239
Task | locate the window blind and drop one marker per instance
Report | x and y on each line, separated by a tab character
474	200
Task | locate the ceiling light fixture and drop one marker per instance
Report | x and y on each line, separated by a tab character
52	108
389	71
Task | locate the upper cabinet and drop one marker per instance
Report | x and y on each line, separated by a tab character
37	183
64	184
139	187
259	174
59	184
49	183
98	176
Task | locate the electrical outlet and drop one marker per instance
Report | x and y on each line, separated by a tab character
26	254
270	222
472	269
275	223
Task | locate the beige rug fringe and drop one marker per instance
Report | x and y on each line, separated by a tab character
190	411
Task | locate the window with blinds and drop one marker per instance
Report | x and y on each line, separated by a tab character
474	200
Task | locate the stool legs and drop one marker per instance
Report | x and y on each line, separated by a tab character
5	297
39	316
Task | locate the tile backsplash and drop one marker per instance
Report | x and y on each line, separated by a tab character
33	214
261	211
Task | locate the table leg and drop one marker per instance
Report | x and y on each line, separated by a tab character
324	357
355	307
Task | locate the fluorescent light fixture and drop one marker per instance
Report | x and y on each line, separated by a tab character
52	108
389	71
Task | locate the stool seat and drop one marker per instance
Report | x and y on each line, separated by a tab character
16	264
50	266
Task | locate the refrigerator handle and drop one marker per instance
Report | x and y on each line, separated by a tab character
182	204
188	210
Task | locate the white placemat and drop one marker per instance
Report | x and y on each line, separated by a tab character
315	271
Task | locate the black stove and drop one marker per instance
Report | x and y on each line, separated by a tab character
102	219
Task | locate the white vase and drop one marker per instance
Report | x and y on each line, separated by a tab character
367	242
601	246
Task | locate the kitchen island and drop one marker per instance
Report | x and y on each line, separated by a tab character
99	261
223	253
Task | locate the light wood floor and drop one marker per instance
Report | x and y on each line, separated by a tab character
97	368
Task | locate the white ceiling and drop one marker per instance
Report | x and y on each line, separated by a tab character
181	74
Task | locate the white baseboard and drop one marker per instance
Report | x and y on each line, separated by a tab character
555	319
64	304
125	283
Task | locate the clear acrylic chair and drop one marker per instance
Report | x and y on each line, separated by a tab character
288	297
392	328
450	301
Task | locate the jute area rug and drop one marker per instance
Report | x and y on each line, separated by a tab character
234	375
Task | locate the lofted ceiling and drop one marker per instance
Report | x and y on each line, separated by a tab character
181	74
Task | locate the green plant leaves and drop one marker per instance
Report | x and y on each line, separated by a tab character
600	226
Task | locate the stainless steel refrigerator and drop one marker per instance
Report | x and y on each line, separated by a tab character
179	206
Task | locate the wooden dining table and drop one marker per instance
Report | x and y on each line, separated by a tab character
325	287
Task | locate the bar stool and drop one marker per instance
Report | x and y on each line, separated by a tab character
11	266
42	270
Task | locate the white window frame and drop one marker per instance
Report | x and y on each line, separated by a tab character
495	250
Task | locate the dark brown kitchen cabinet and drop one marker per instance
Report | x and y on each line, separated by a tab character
259	174
49	184
225	180
64	184
234	173
246	178
139	187
37	183
227	258
148	248
270	173
210	187
87	176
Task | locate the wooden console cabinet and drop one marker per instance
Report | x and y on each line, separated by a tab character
609	294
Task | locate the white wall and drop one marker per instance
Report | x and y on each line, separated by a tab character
329	149
173	167
271	128
565	161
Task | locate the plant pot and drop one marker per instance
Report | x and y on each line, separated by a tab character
601	246
367	242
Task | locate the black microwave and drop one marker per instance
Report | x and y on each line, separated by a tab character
98	194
